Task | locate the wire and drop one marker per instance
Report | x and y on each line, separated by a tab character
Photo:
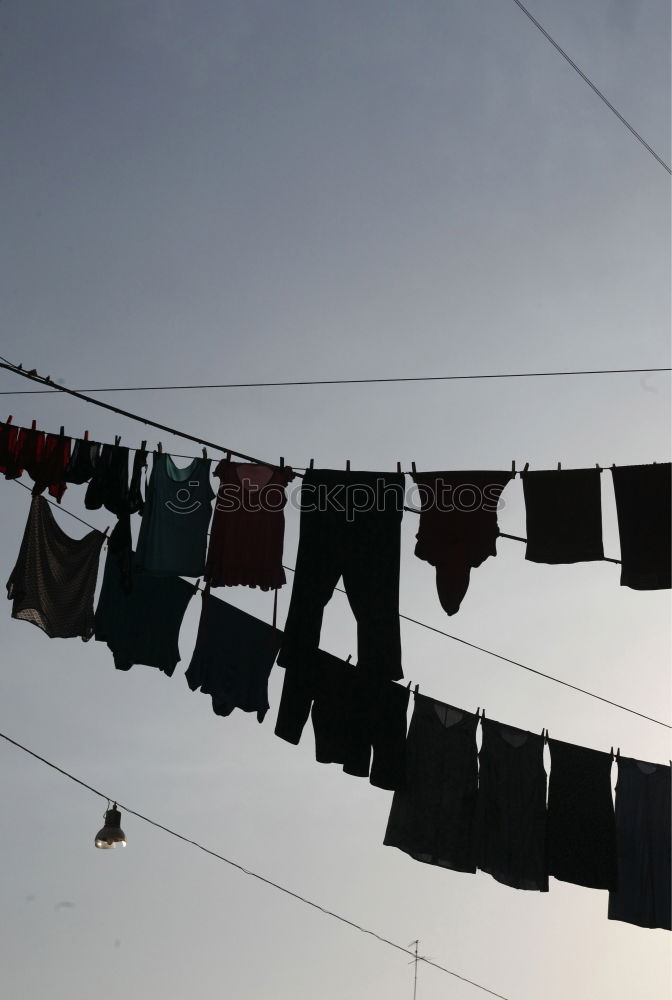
333	381
250	873
448	635
592	86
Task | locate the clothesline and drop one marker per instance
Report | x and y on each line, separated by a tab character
438	631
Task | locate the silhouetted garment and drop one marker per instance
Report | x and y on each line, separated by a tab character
54	579
83	461
644	847
563	512
458	527
109	485
581	824
143	624
29	448
9	467
359	721
350	527
50	470
432	815
511	807
233	658
644	518
248	527
174	528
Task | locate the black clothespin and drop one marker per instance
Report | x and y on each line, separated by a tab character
598	467
347	465
527	465
310	465
228	456
143	446
282	462
86	435
205	454
349	658
61	433
159	448
196	584
398	466
117	440
106	531
513	468
9	419
33	425
559	466
413	468
416	691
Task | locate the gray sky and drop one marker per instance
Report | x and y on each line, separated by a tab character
198	191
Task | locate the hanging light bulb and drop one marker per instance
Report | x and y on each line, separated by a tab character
111	835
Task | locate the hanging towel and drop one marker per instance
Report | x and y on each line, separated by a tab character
511	807
432	815
458	527
233	658
109	484
141	625
174	528
83	461
54	579
350	527
644	518
248	526
563	512
581	824
644	845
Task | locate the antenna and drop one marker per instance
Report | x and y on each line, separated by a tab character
414	945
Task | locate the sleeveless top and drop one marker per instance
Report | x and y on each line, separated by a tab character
248	528
174	528
511	807
432	814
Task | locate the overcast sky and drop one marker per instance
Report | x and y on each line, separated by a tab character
206	191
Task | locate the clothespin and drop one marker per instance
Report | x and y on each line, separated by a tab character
282	462
196	584
398	466
597	466
310	465
228	456
117	440
159	448
513	468
413	468
527	465
559	466
205	454
416	690
61	433
349	658
143	446
86	435
347	465
106	531
9	419
33	425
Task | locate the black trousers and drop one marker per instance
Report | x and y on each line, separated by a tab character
350	528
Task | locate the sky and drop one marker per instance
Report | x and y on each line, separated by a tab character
199	191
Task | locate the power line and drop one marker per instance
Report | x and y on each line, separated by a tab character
592	86
250	873
448	635
333	381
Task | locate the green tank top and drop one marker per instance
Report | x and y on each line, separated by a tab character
178	507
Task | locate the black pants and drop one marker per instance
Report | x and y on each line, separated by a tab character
350	527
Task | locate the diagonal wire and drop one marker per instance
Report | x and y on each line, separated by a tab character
248	871
592	86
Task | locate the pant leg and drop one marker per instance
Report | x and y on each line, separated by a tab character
389	705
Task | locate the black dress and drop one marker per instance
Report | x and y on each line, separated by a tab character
432	816
581	824
511	807
643	839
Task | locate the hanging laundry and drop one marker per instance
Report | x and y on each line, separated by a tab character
563	511
511	807
643	808
432	815
350	527
359	721
174	528
50	471
8	445
581	824
644	525
83	461
233	658
248	527
458	527
109	485
141	625
54	579
29	448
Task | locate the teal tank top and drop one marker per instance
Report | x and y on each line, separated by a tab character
178	506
